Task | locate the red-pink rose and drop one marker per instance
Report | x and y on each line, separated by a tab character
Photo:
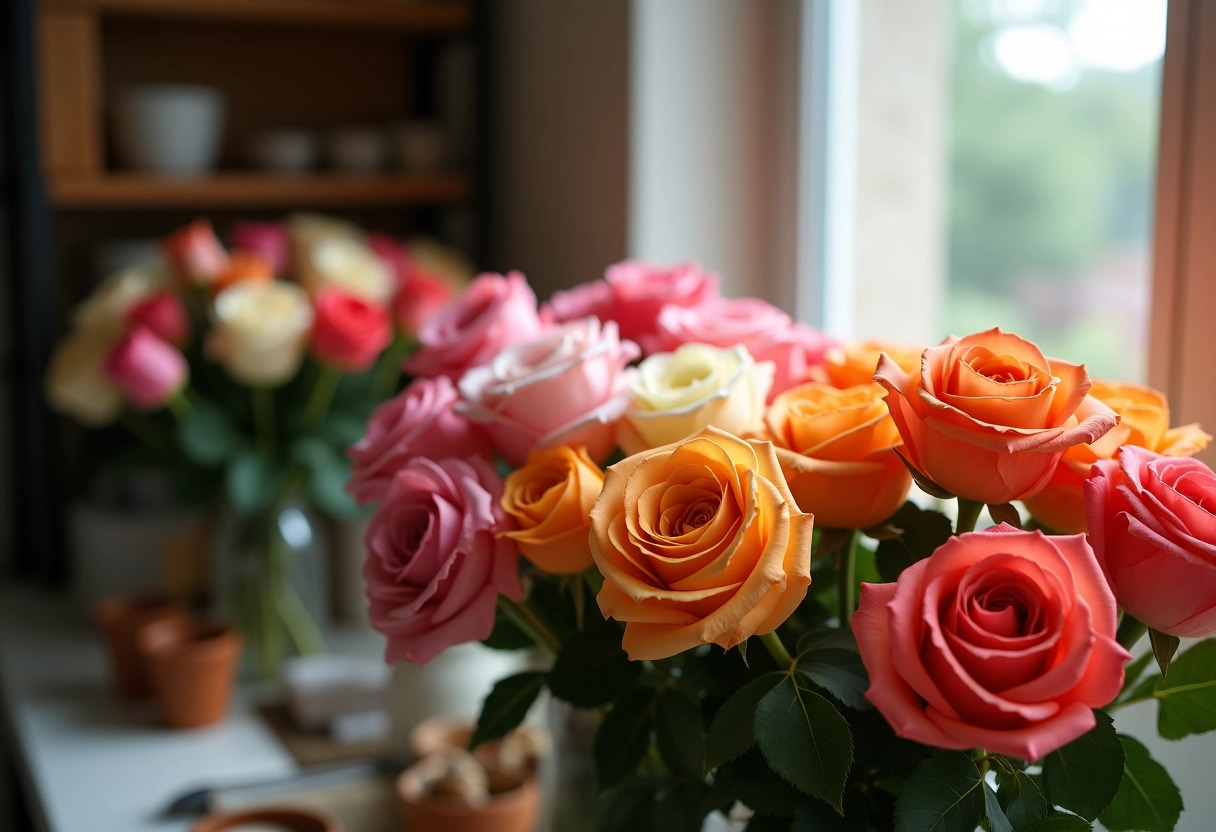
148	369
493	311
567	387
421	296
1001	639
419	421
194	253
270	241
163	315
633	294
768	333
435	561
348	332
1152	522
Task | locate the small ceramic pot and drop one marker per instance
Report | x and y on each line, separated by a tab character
420	146
192	665
284	150
169	129
120	618
357	149
515	810
270	819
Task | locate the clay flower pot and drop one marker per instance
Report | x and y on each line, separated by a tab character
439	733
285	819
120	617
192	665
514	810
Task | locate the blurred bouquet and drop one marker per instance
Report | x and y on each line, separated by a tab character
756	475
249	371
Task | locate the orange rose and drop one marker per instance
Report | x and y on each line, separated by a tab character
242	266
1144	421
550	499
989	415
853	365
699	542
837	449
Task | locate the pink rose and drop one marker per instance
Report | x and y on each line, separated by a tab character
148	369
1001	639
768	333
163	315
419	421
493	311
270	241
421	296
435	561
633	294
567	387
1152	522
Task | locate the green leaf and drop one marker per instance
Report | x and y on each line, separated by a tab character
592	670
507	705
731	733
1059	822
943	795
253	480
997	821
507	636
923	532
750	781
1084	775
805	739
1020	796
622	739
1186	701
207	435
1148	800
679	731
328	473
678	807
1164	648
841	673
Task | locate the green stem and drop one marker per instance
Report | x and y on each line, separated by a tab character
528	621
322	394
293	615
968	514
594	580
388	371
263	418
179	405
1129	632
980	757
772	643
845	562
142	428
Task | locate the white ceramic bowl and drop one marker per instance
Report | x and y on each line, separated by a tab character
284	150
169	129
420	146
357	149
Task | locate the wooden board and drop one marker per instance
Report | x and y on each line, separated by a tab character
69	92
422	16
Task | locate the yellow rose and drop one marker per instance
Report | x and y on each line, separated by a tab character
677	393
261	331
699	542
550	499
349	265
76	382
1144	421
837	448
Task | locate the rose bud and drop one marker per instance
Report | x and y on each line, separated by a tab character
163	315
348	333
194	253
148	369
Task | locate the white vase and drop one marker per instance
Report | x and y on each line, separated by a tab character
169	129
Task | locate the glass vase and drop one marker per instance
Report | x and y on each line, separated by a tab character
269	576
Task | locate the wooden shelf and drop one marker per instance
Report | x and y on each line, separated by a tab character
421	16
254	189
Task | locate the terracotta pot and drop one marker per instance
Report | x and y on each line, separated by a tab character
516	810
289	820
439	733
192	664
121	617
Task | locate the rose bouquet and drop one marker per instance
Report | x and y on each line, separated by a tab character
248	371
780	632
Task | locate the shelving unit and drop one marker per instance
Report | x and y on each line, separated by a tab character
419	16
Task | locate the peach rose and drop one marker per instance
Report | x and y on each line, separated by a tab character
551	499
989	415
1001	639
837	449
699	542
675	394
1144	421
855	364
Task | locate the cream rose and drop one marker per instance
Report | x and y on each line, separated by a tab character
107	307
675	394
76	381
261	331
348	264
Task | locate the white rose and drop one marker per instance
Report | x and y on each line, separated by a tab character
106	308
348	265
76	382
675	394
261	331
